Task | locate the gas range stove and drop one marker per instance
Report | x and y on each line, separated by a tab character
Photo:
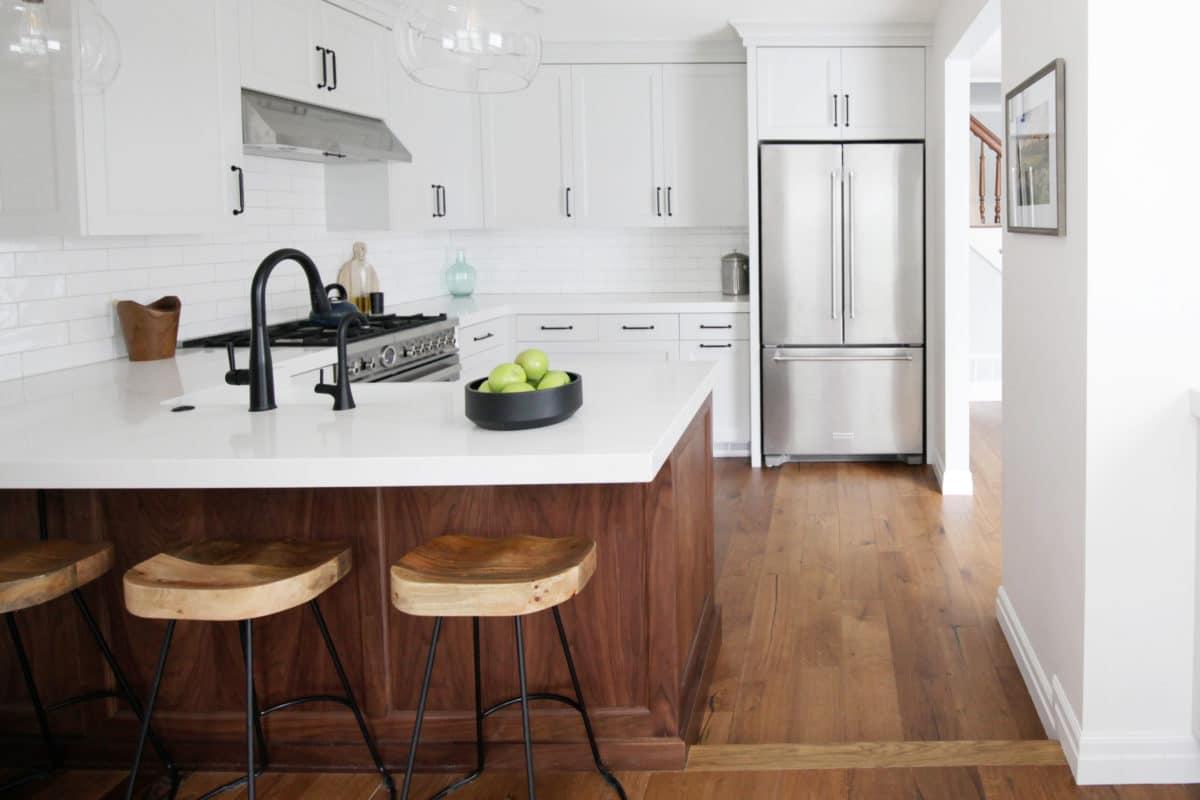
389	348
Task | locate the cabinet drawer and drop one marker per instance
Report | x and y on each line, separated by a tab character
556	328
482	336
562	353
480	363
725	327
638	327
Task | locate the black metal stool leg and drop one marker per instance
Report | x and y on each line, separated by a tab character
150	700
479	751
525	706
126	689
609	778
416	737
259	736
39	710
251	709
351	702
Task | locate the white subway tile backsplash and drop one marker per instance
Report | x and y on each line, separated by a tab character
56	294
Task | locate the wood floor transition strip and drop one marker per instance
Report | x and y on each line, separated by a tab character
871	755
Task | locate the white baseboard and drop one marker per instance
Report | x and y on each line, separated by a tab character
1096	758
954	481
986	391
731	449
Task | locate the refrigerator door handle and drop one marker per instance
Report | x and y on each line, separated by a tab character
833	268
778	357
850	240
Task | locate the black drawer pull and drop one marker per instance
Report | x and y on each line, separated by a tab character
637	327
241	209
716	346
557	327
485	336
704	327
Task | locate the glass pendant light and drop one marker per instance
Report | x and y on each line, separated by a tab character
67	41
482	46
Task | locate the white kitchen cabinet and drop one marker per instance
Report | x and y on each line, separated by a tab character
484	336
560	352
316	52
847	93
731	392
798	90
528	152
155	153
704	126
618	165
883	93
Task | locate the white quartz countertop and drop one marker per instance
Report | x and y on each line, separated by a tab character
486	307
110	425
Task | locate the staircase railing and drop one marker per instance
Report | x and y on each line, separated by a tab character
988	140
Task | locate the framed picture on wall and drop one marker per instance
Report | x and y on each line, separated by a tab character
1035	138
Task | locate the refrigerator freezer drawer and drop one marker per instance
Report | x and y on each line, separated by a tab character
843	401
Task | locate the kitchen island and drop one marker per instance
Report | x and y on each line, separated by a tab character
110	460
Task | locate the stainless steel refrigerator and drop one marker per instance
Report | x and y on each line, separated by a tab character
842	255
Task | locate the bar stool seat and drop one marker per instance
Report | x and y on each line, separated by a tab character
34	572
511	576
466	576
226	581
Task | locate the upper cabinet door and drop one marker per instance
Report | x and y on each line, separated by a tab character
618	144
883	93
527	153
158	145
443	186
799	93
278	53
704	121
356	70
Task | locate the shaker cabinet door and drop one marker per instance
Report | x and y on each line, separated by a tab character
527	153
704	122
883	93
278	48
798	92
357	68
618	172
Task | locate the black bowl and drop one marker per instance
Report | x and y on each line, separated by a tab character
520	410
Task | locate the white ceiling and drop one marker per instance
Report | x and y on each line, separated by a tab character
985	65
696	20
691	20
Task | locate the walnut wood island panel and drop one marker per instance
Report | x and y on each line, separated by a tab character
644	631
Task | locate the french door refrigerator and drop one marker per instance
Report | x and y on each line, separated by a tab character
843	300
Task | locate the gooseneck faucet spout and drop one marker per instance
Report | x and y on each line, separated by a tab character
260	375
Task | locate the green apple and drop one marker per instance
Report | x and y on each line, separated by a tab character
504	375
535	363
513	388
484	387
553	379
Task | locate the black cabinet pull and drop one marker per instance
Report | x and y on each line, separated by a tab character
670	213
847	109
442	195
658	201
716	346
241	209
333	57
487	335
557	327
704	327
637	327
568	202
324	67
835	117
437	200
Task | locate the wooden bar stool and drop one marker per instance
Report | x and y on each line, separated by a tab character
467	576
36	572
224	581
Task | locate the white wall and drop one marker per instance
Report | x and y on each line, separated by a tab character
986	323
946	221
56	294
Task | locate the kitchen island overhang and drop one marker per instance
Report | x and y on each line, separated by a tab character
645	630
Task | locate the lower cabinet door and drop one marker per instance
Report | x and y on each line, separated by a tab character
731	394
842	401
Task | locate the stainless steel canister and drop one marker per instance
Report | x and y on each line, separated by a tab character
735	273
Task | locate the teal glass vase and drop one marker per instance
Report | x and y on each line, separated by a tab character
460	276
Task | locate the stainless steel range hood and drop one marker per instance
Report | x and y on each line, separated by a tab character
281	128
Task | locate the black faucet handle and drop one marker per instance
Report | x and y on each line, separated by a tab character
235	376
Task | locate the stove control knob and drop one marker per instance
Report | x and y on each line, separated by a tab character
388	356
354	367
